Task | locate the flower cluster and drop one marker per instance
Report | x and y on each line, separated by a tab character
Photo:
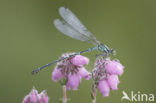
71	70
106	74
34	97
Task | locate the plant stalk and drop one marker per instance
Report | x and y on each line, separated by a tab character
94	94
64	94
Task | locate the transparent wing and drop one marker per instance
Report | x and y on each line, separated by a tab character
74	22
66	29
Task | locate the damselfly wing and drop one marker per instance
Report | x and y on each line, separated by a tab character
71	26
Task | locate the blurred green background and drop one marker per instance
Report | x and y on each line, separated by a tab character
28	39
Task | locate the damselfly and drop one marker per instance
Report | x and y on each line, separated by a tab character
71	26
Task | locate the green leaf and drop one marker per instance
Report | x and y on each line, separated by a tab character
60	101
92	76
92	96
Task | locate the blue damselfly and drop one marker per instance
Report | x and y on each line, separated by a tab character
71	26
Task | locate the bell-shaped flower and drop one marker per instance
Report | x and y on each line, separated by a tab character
34	97
114	67
104	88
80	60
73	81
84	73
71	69
113	81
56	74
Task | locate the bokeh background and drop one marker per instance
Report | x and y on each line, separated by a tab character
28	39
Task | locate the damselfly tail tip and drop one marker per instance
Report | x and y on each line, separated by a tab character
34	71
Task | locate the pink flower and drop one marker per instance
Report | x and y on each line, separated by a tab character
43	97
71	69
113	81
114	67
106	74
34	97
56	74
73	81
104	88
84	73
79	60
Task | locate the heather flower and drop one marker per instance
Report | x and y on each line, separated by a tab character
71	70
84	73
56	74
79	60
104	88
114	67
34	97
73	81
113	81
106	73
